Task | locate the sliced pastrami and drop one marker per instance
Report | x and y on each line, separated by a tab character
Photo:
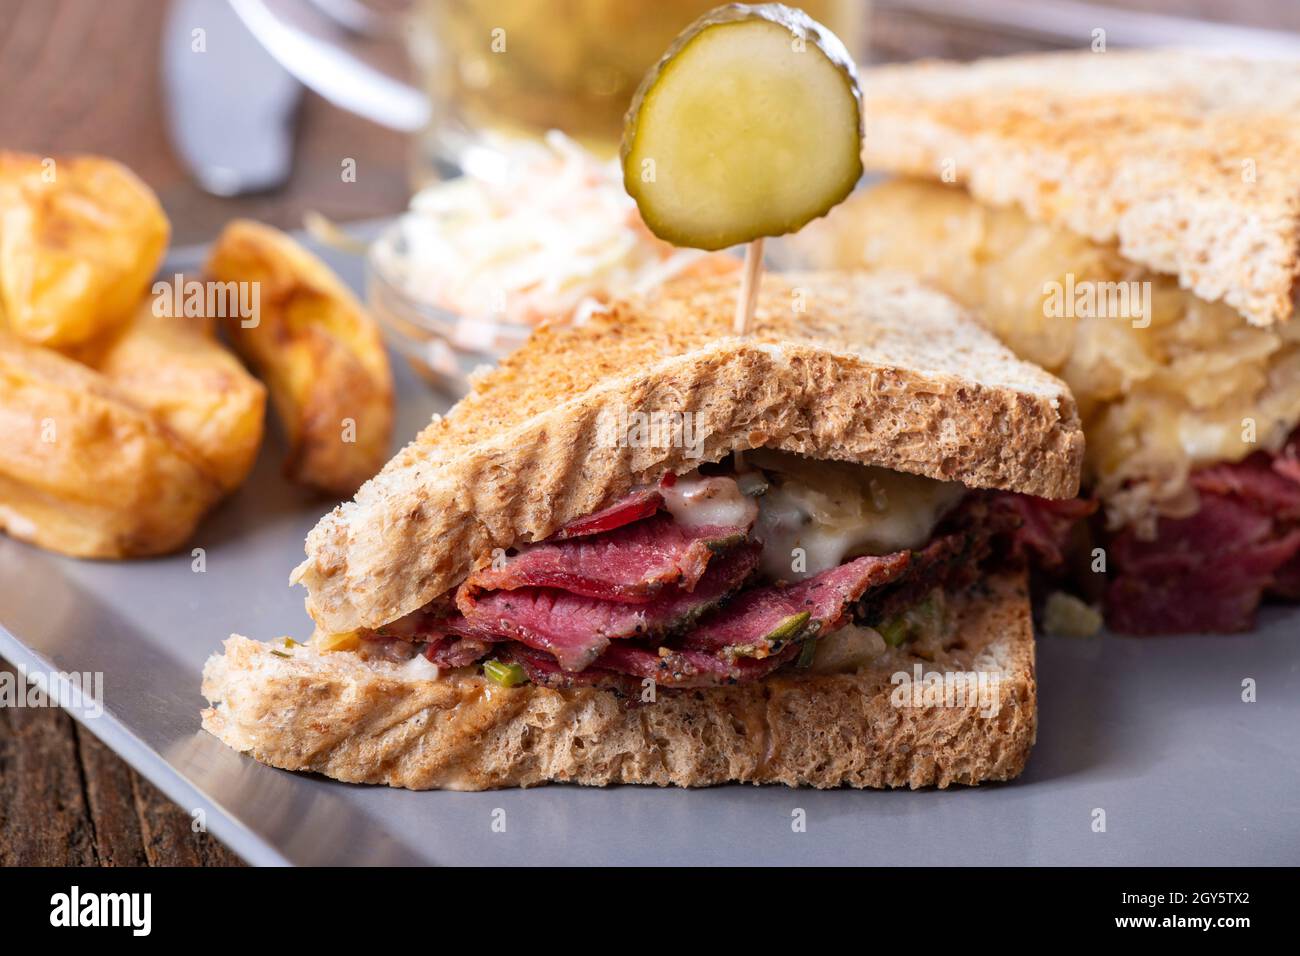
634	506
451	651
1272	487
951	562
1206	572
1221	524
761	621
1207	598
575	629
545	671
630	564
1210	570
625	665
1045	526
1286	580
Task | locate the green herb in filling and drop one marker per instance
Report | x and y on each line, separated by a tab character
506	675
807	654
789	629
894	631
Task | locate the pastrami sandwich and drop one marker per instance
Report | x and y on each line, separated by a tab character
1129	221
646	550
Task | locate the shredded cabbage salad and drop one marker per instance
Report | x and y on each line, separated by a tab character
546	235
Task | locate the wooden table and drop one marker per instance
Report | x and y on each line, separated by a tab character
67	800
82	76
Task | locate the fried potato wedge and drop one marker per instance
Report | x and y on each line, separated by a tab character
83	470
174	366
80	238
317	349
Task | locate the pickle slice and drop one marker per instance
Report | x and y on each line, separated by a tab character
750	125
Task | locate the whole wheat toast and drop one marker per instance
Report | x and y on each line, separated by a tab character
375	723
1189	161
869	369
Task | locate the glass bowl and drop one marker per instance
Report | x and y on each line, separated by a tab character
443	346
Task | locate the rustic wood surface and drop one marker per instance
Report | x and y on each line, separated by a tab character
67	800
82	76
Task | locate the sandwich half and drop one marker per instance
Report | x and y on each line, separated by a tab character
646	550
1131	222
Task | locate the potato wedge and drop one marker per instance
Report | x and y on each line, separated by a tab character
80	237
318	350
85	472
174	367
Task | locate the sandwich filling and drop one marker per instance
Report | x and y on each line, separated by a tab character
1190	412
1209	571
727	574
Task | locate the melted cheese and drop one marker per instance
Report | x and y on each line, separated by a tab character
696	501
420	667
826	512
1160	394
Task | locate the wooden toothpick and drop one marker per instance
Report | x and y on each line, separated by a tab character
749	283
750	280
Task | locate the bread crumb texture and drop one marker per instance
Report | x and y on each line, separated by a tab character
1189	162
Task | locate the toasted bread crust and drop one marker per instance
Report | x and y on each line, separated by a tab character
872	369
370	723
1188	161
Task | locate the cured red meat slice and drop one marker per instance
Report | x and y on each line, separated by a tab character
1045	526
951	561
1287	461
453	651
1265	484
742	627
1220	525
449	623
1206	572
1288	465
638	504
543	670
575	629
1219	596
630	564
1286	580
625	665
1209	571
732	643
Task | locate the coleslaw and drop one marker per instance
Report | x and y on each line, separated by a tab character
547	235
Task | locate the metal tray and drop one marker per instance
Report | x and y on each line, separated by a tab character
1152	731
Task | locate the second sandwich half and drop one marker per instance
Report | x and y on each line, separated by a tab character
1129	221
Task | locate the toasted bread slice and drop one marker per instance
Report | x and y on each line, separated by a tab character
378	723
869	369
1189	161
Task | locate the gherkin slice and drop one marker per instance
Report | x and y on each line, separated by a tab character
750	125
